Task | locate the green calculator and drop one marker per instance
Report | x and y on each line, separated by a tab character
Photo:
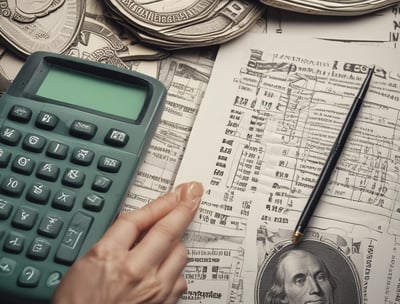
72	133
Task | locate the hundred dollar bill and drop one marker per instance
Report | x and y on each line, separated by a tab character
330	7
183	24
46	25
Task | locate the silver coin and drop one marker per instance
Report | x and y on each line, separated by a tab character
42	25
186	24
161	14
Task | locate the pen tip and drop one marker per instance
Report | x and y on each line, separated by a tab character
297	235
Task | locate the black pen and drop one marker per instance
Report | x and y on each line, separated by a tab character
331	160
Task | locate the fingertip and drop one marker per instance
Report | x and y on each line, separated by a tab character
191	194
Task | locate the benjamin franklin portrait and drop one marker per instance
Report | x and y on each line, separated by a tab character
310	272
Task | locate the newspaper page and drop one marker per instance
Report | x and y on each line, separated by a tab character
273	108
186	75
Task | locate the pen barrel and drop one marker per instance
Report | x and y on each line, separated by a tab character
333	156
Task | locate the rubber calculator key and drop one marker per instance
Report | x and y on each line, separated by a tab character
73	238
10	136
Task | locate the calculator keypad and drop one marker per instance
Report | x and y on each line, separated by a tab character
49	195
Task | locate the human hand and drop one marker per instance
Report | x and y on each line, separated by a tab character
139	259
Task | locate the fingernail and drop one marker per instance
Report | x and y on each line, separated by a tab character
193	194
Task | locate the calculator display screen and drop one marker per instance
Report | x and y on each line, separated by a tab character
94	93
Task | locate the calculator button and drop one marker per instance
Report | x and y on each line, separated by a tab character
64	199
73	239
101	183
83	129
7	266
48	171
116	138
14	243
54	279
10	136
38	249
12	186
23	164
46	121
50	226
29	277
20	113
82	156
25	218
109	164
34	143
5	209
38	193
93	202
4	158
57	150
73	178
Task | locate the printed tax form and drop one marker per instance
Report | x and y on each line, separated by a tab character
272	110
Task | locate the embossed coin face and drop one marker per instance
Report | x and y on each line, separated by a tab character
42	25
153	14
174	24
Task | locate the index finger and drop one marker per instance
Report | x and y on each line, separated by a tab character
162	237
128	226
